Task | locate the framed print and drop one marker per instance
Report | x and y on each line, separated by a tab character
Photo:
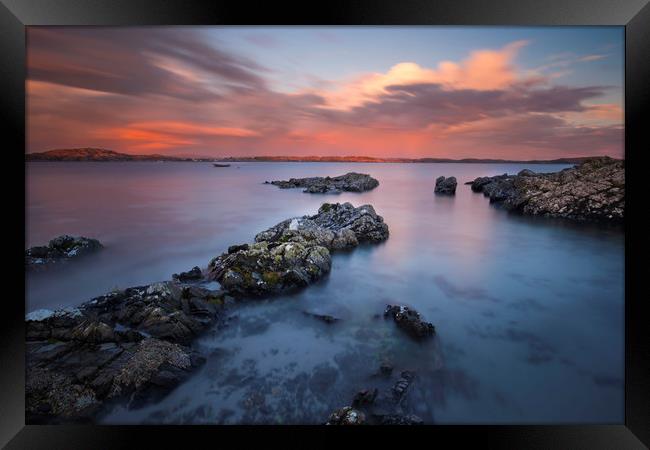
379	219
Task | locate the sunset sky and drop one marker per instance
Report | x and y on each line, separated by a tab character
452	92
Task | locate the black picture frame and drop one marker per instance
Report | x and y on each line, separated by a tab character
634	15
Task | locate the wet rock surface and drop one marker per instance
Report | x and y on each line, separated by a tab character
591	191
410	321
350	182
446	186
128	344
133	344
59	250
372	407
296	252
346	416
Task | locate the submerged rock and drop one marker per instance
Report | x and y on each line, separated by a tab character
296	252
60	249
364	397
126	344
346	416
352	182
373	408
410	321
445	185
132	343
322	317
591	191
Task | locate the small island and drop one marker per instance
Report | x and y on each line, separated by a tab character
350	182
60	249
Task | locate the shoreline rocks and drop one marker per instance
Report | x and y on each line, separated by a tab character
295	252
350	182
59	250
130	344
133	344
370	407
446	186
410	321
591	191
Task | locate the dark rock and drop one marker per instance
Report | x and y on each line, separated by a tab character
237	248
322	317
346	416
402	385
410	321
126	344
386	369
446	185
387	408
591	191
59	250
191	275
296	252
364	397
353	182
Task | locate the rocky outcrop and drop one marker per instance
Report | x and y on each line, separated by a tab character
194	274
133	344
591	191
127	344
296	252
446	186
410	321
370	407
60	249
352	182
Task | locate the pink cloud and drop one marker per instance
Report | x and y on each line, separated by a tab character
171	92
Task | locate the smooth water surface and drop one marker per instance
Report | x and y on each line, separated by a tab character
528	311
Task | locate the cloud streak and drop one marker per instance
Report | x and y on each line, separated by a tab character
180	91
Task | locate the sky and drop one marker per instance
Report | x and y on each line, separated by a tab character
413	92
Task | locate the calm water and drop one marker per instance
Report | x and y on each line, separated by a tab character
529	312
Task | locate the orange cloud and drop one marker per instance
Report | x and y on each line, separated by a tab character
483	70
597	114
187	128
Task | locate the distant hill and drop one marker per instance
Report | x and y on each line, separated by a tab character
96	154
370	159
100	154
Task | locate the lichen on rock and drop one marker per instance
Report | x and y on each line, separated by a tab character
295	252
591	191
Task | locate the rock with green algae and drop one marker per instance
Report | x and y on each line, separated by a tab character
296	252
127	344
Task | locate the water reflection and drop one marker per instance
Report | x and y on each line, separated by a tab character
528	311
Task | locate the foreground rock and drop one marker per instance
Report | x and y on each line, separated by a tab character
133	344
591	191
127	344
352	182
369	407
446	186
60	249
296	252
410	321
346	416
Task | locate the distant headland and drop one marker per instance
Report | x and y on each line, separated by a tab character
104	155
